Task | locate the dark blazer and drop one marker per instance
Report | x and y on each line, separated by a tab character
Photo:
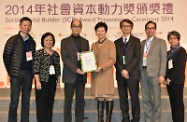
69	58
133	52
177	73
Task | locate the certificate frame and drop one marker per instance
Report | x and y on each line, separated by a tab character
88	61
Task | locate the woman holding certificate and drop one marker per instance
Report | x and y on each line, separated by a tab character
102	85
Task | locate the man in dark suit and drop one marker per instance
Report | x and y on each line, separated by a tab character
127	72
73	76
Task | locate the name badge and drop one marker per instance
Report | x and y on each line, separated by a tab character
170	64
145	55
29	56
52	70
145	58
123	58
78	56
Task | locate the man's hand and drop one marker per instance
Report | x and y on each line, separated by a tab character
58	86
168	81
79	71
125	74
161	79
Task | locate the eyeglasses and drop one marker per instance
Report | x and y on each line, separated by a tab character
151	28
174	38
125	26
74	26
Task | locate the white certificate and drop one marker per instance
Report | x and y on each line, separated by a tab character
88	61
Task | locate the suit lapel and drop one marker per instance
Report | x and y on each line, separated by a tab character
120	45
143	46
120	49
153	43
129	45
82	45
72	45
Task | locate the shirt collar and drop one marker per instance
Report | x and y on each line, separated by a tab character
25	39
150	39
28	37
126	38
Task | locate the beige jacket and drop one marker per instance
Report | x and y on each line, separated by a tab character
103	82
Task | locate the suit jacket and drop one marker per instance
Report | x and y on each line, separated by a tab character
156	58
177	73
103	81
69	58
132	58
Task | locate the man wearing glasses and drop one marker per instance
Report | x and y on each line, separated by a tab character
127	71
73	77
152	70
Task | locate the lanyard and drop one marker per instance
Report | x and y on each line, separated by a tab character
147	46
51	60
171	53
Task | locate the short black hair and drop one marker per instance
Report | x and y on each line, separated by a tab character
101	24
45	35
25	19
149	23
74	20
174	33
127	21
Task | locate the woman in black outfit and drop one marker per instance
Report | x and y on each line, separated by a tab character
175	76
47	77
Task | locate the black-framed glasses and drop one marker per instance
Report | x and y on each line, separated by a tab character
125	26
173	38
76	26
151	28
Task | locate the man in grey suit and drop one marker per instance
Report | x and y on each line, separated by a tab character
152	70
73	76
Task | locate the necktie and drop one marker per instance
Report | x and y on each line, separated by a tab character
124	40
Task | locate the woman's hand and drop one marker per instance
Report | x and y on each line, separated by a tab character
99	69
38	85
58	86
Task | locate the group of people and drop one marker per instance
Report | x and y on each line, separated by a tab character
147	61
